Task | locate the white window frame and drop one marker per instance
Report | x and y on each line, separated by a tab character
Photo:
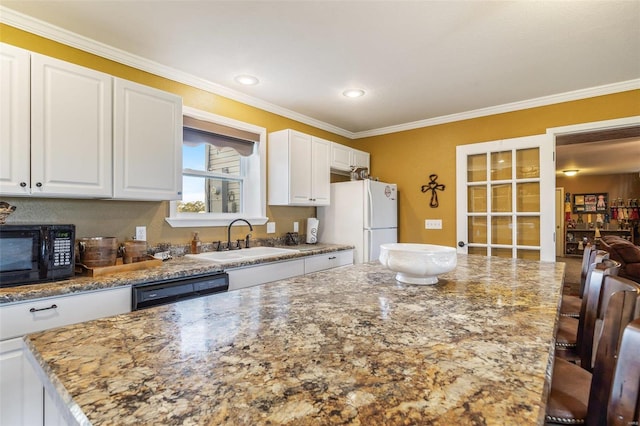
254	200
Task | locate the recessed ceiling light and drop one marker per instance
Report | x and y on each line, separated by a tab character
353	93
570	172
247	80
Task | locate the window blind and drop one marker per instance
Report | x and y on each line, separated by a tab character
196	131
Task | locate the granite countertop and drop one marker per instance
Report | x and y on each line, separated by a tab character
349	346
174	268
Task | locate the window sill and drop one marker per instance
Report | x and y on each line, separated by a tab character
184	222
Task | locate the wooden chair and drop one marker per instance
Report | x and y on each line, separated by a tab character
624	402
592	314
571	304
578	396
570	330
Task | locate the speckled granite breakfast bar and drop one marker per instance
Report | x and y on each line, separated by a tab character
348	346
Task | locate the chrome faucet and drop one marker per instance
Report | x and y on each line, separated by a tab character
229	233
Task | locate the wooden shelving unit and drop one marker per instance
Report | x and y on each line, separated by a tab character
573	238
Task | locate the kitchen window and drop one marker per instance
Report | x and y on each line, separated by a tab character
223	172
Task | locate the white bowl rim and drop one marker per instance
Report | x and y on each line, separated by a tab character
416	247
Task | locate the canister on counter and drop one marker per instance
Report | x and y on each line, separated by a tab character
134	251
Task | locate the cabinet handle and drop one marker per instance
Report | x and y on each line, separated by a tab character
54	306
39	184
23	184
332	257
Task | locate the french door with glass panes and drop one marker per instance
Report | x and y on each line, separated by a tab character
506	198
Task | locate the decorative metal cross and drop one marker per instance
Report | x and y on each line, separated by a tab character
433	186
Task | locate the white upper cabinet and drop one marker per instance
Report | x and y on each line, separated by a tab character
15	162
344	157
340	157
56	127
320	171
361	159
299	172
71	133
147	143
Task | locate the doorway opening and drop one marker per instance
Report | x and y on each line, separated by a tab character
600	152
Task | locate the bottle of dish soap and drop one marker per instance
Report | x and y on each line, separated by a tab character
195	244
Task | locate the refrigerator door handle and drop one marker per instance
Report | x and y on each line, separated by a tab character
367	246
369	224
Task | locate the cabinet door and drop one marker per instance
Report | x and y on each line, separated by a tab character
340	157
261	274
320	171
18	319
14	121
361	159
147	143
328	261
300	183
52	416
71	136
21	390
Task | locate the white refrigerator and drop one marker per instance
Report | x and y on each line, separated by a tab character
363	213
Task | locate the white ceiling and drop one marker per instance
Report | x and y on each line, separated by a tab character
417	60
600	157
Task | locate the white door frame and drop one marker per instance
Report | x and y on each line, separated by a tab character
546	145
559	221
554	132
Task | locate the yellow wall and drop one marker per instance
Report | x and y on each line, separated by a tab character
407	158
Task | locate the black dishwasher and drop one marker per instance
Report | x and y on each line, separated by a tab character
171	290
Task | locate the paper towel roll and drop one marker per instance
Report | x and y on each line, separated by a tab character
312	230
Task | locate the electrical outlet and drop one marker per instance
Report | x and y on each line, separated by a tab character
141	233
433	224
296	226
271	227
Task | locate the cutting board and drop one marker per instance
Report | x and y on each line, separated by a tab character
117	268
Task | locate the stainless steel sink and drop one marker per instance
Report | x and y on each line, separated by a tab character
242	254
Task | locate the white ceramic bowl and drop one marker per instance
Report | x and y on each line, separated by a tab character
418	263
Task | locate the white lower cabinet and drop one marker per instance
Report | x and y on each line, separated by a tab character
52	416
260	274
264	273
321	262
22	397
18	319
21	391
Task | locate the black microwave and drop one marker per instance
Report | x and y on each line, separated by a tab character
36	253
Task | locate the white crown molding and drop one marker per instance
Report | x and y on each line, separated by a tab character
575	95
52	32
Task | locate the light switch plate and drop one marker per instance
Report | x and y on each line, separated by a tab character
296	226
271	227
141	233
433	224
